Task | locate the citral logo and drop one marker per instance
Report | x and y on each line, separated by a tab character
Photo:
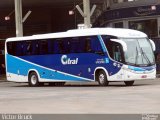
67	61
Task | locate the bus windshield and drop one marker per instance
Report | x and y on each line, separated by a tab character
139	52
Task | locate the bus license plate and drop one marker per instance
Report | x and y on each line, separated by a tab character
144	76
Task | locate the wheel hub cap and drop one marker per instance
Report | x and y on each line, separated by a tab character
34	79
101	78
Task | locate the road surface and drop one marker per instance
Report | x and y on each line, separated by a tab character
89	98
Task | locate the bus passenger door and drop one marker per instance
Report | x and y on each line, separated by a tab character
116	53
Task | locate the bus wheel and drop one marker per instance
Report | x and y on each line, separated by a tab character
129	83
102	78
33	80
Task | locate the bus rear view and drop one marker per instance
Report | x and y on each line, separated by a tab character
98	54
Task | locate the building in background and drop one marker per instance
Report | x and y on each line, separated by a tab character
142	15
53	16
47	16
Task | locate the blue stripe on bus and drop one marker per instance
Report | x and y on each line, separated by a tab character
102	44
21	67
142	69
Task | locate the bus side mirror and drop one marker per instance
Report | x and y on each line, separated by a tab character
124	45
153	45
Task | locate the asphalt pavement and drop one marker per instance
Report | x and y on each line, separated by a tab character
81	98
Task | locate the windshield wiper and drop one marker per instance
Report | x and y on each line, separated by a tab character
136	56
145	56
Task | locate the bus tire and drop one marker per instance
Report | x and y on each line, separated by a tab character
33	79
129	83
102	78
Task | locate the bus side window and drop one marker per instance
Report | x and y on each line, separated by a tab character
75	45
109	46
88	45
95	45
66	45
19	48
24	48
82	45
29	48
51	46
35	47
55	46
61	47
92	45
43	47
114	50
117	53
11	48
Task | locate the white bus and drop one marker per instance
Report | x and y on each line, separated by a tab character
97	54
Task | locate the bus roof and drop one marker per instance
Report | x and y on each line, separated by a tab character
117	32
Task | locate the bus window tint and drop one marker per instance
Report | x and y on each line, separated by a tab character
50	46
117	53
11	48
109	46
35	47
93	45
66	45
28	48
58	46
114	49
85	45
75	45
61	46
55	46
88	45
43	47
15	48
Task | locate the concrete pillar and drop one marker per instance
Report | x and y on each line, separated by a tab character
18	18
125	24
87	18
